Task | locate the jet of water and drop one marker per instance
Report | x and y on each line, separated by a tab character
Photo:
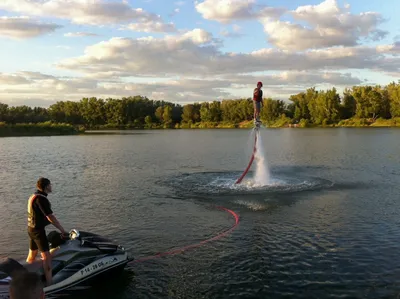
262	173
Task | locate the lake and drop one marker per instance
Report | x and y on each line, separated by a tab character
326	227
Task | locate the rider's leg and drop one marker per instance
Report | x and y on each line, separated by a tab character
46	257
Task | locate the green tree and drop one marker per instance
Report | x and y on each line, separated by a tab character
301	110
205	113
167	116
370	102
272	110
159	114
324	106
93	111
3	112
215	111
394	98
348	105
148	121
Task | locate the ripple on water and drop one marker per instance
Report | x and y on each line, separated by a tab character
221	183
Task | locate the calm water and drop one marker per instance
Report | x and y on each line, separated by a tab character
327	228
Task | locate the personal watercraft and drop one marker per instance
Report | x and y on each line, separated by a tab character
76	262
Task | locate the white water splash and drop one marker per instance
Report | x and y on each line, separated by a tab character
262	174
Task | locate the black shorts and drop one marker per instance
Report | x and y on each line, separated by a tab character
38	239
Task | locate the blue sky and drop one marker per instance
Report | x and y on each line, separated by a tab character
322	46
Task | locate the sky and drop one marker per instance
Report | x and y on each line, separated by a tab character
192	51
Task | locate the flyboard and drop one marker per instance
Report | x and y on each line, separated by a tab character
257	124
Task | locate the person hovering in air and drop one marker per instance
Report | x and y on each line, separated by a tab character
258	102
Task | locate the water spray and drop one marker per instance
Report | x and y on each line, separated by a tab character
239	180
262	175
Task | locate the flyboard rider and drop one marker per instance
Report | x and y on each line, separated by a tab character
258	102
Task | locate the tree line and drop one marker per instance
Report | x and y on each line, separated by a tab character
318	107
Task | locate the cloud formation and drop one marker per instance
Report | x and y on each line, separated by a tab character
150	27
34	85
226	11
321	45
93	12
196	53
393	49
79	34
24	27
328	25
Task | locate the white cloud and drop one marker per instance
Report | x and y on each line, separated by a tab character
330	26
188	52
320	47
24	27
226	11
31	85
227	33
298	78
175	12
197	53
235	33
79	34
25	86
389	49
289	36
12	79
150	27
197	36
90	12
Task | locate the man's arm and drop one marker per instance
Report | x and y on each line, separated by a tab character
44	205
53	219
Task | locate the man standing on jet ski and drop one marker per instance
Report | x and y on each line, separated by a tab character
40	215
258	100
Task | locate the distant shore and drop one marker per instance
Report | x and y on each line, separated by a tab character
39	129
56	129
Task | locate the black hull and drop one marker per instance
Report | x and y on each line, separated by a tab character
84	287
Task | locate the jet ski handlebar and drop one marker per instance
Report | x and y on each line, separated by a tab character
103	247
74	234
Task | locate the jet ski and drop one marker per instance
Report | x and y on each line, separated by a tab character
77	262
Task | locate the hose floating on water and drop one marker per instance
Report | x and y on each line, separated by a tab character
182	249
239	180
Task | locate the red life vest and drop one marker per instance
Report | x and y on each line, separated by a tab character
257	95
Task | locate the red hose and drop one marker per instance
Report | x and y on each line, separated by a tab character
239	180
182	249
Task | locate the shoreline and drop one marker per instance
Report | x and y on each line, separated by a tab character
39	129
43	130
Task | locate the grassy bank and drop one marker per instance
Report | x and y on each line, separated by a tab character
54	129
39	129
283	122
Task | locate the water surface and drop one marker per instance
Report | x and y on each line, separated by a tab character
326	228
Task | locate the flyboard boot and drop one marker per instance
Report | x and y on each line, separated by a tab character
257	122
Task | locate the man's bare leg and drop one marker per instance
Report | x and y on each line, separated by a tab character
46	257
31	256
255	112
